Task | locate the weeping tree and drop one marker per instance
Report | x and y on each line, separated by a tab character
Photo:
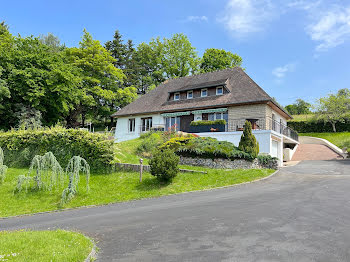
76	166
45	173
3	168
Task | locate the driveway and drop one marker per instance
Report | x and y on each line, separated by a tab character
300	214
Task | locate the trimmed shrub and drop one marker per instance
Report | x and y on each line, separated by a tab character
164	165
248	141
208	122
208	147
313	126
176	142
21	146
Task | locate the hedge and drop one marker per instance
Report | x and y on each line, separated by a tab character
317	126
22	145
208	122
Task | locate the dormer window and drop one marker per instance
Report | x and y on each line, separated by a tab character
177	96
189	94
204	92
219	90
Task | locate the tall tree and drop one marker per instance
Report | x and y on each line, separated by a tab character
101	80
160	60
216	59
52	41
334	107
300	107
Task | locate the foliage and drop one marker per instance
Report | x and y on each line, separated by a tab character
248	141
42	246
207	147
175	143
101	89
3	168
300	107
75	166
334	108
44	172
149	143
265	159
160	60
164	165
103	188
317	126
216	59
29	118
22	145
208	122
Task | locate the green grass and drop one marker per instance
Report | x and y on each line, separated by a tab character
303	117
116	187
127	152
58	245
341	139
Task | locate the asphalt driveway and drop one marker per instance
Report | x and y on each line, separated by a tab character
300	214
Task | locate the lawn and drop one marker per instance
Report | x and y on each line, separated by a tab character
59	245
303	117
117	187
341	139
127	153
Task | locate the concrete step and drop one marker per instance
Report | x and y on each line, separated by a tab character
314	152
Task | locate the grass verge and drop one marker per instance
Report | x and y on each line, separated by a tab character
341	139
58	245
117	187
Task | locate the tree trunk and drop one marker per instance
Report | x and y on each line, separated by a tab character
333	126
83	119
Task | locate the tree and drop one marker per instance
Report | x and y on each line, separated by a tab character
160	60
32	76
52	41
216	59
248	141
300	107
101	80
334	107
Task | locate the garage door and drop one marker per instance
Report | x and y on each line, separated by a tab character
274	149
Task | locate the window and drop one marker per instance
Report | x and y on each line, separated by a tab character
219	90
131	126
189	94
146	124
217	116
172	123
177	96
204	92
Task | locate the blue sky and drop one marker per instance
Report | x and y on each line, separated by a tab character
291	48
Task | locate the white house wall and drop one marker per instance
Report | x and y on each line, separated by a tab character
122	127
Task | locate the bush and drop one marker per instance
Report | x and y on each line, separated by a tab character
21	146
248	141
265	159
207	147
164	165
315	126
176	142
208	122
150	141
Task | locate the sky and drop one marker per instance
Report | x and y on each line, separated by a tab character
291	48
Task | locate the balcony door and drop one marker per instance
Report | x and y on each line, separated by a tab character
172	123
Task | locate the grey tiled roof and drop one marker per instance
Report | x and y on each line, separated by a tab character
242	90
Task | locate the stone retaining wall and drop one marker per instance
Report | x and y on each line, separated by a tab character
227	164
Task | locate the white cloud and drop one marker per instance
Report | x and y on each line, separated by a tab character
303	4
193	18
331	28
243	17
281	71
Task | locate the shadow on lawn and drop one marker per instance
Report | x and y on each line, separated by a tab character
151	184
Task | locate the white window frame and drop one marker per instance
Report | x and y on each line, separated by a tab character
222	92
206	90
176	95
133	126
146	124
189	92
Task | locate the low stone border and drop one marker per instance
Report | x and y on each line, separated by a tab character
112	203
136	168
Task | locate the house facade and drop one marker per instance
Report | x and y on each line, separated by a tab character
229	95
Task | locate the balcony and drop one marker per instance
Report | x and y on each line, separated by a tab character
262	124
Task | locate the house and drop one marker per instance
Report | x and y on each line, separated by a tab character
228	94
